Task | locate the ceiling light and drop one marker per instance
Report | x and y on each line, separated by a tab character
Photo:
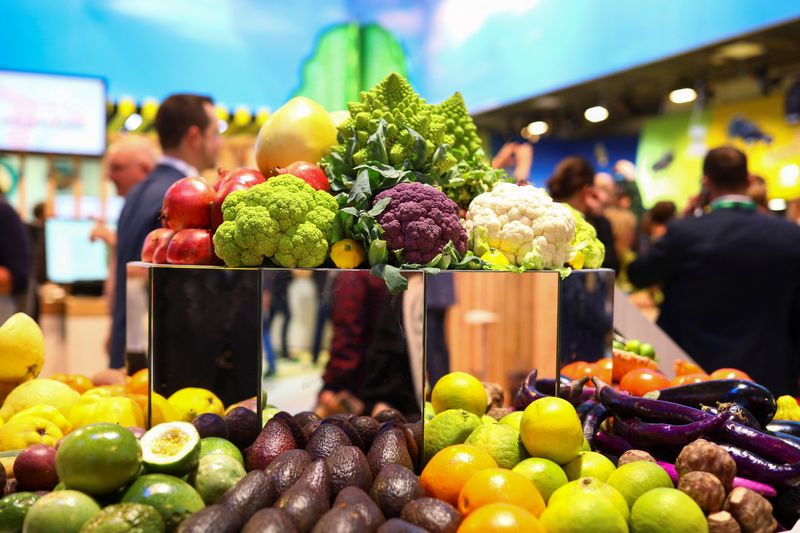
777	204
223	125
539	127
133	121
597	113
789	175
683	95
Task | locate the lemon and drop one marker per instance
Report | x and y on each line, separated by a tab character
544	473
22	349
665	509
636	478
593	487
486	419
584	513
162	410
26	430
550	428
589	464
37	392
191	402
512	419
428	413
501	441
459	390
48	412
448	428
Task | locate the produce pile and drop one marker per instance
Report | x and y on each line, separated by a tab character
399	183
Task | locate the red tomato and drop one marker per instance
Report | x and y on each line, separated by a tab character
687	379
730	373
640	381
575	370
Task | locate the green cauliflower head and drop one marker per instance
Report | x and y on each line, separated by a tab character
586	250
284	219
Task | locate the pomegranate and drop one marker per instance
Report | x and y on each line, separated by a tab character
222	193
153	239
311	174
160	252
187	204
191	246
244	175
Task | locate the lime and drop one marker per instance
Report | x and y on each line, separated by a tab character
586	446
459	390
634	479
447	428
65	511
512	419
171	448
591	486
125	518
664	509
428	413
501	441
98	458
211	445
544	473
486	419
173	498
214	475
584	513
268	412
618	345
589	464
647	350
13	509
550	428
633	346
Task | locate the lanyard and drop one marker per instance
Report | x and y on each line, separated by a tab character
733	204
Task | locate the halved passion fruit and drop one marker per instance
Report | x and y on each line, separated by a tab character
171	448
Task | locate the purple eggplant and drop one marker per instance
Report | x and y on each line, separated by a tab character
612	444
737	412
765	445
790	427
648	434
756	398
531	389
584	408
633	406
759	469
592	421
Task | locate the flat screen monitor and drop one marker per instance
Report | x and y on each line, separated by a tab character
88	207
52	114
71	256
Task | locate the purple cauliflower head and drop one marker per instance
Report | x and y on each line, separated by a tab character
420	220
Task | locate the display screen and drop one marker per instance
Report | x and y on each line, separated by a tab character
71	255
88	207
53	114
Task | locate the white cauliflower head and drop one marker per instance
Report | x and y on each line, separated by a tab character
525	224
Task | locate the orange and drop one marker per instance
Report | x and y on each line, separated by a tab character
683	367
624	362
500	517
449	470
575	370
76	382
495	485
730	373
687	379
643	380
139	382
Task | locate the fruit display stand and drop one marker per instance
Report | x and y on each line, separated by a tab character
205	324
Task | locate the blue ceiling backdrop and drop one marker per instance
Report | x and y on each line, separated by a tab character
251	51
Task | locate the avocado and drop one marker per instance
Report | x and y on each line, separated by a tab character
357	499
304	417
212	519
309	498
244	426
411	432
125	518
297	430
389	414
389	447
395	525
253	492
435	515
310	428
325	440
287	468
394	487
348	466
367	428
349	430
270	521
274	439
340	520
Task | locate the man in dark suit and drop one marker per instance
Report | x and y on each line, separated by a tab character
189	137
731	280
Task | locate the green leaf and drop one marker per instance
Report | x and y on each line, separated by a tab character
379	206
420	150
376	144
395	281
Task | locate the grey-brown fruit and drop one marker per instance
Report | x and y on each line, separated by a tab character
495	396
274	439
751	510
396	525
348	466
270	521
251	493
211	519
287	468
394	487
705	489
435	515
632	456
325	440
355	498
389	447
705	456
340	520
367	428
309	498
723	522
499	412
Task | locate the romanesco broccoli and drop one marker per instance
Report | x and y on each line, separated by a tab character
284	220
461	134
586	249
